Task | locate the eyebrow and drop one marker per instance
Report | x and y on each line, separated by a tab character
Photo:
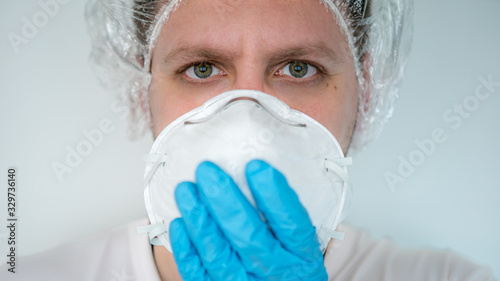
301	51
196	51
218	54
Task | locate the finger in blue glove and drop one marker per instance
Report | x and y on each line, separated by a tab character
188	262
287	251
282	209
214	251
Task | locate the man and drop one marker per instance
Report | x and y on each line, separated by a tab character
252	45
311	55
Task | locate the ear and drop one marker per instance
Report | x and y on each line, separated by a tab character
138	100
140	60
143	111
139	120
366	70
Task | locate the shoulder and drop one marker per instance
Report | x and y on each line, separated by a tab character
117	254
358	257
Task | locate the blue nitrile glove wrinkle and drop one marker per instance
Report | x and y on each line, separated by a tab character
221	236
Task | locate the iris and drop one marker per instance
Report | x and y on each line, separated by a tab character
203	70
298	69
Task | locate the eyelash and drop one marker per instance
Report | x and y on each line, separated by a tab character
184	68
181	73
320	70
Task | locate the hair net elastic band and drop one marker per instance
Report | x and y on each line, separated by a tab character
162	17
167	10
349	37
378	33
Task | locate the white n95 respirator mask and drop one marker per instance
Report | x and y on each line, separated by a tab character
230	130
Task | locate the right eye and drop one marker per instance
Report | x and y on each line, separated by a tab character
202	70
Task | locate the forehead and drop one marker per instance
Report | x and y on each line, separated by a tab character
275	24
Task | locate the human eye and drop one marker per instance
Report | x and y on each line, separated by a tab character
298	69
202	70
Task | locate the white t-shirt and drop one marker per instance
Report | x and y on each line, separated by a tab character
121	254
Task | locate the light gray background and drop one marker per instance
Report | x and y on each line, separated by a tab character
452	200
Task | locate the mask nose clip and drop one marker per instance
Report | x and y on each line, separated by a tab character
242	98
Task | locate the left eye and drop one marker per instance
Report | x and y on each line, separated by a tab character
202	70
299	69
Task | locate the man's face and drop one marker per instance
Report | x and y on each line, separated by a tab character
290	49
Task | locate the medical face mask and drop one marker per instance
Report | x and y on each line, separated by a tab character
230	130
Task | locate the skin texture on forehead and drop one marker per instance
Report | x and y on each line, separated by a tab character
250	38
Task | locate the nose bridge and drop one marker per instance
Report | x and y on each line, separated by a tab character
251	64
250	75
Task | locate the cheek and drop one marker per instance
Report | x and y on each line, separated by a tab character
343	120
335	108
166	106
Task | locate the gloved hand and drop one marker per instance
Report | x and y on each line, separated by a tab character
221	236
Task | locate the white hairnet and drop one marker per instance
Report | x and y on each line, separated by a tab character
379	33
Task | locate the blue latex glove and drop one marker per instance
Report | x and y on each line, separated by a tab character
221	236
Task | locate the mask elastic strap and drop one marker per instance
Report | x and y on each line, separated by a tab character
159	228
336	166
154	230
158	159
331	233
327	232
